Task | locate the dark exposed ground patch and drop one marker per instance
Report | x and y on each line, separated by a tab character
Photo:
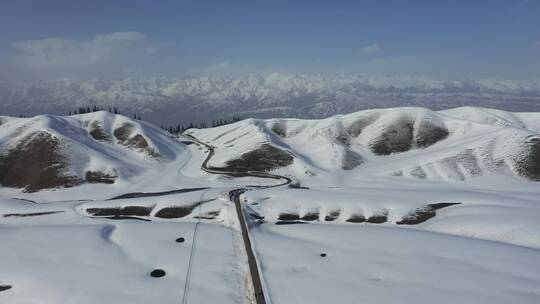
332	215
32	213
423	214
288	217
25	200
208	215
289	222
97	177
438	206
417	216
36	163
357	127
124	135
344	139
120	217
418	172
401	136
178	211
528	165
5	287
356	218
139	142
310	216
97	132
427	134
187	143
396	138
297	186
265	158
279	129
351	160
378	218
152	194
121	211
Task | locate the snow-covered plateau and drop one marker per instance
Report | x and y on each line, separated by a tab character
394	205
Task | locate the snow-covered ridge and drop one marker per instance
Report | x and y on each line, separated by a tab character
407	143
49	151
264	96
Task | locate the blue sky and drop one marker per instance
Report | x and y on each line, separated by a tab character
438	39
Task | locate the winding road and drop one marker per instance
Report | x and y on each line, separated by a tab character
254	268
214	170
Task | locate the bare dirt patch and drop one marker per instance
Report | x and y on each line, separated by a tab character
178	211
121	211
265	158
332	215
289	222
137	142
5	287
423	214
310	216
98	133
528	165
36	163
428	134
152	194
356	128
32	214
351	160
288	217
208	215
378	217
401	136
396	138
356	218
98	177
121	217
279	130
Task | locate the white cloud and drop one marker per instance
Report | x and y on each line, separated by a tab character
63	53
368	49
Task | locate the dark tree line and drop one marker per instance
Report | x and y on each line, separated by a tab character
88	109
180	128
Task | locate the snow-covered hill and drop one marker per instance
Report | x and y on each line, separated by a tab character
406	143
169	101
53	151
386	205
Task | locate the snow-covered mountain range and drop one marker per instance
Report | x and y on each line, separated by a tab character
169	101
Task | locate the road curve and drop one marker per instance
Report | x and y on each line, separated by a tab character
214	170
235	196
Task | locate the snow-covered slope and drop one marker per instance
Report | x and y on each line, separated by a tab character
181	100
450	145
52	151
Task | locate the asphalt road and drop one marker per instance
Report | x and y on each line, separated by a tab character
235	196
